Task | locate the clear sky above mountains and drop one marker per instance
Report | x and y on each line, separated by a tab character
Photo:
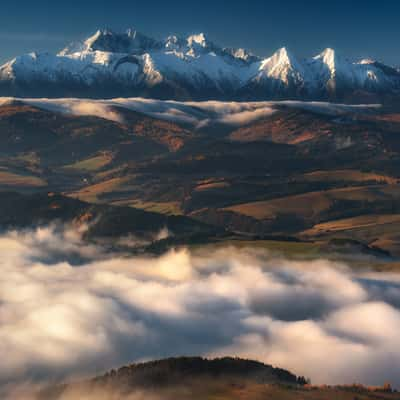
355	28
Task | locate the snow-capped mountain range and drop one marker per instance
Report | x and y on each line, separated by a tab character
110	64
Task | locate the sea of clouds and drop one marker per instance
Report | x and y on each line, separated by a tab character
196	115
62	320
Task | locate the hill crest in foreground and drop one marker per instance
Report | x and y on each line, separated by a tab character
200	378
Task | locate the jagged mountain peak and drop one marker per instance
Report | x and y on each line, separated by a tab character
132	32
130	63
327	53
282	65
282	58
173	42
283	55
327	56
131	41
198	39
241	54
331	58
199	43
367	61
191	46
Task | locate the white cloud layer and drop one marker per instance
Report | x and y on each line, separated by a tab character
318	319
194	114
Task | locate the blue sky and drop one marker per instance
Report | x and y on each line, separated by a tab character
355	28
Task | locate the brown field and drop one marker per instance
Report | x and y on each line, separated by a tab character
347	175
252	391
211	185
381	231
287	249
168	208
242	390
388	118
311	204
91	164
92	193
8	178
120	192
361	222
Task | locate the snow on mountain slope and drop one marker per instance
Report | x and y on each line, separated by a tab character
281	66
87	66
130	42
242	54
110	64
335	72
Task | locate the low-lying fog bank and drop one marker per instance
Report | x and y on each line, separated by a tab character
319	319
195	114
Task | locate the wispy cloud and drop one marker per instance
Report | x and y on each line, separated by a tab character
195	114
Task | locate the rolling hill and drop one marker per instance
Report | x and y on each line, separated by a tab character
198	378
289	170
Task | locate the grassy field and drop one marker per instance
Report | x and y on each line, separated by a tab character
92	164
168	208
210	184
92	193
287	249
302	251
377	230
311	204
12	179
281	392
348	175
225	389
252	391
120	192
371	222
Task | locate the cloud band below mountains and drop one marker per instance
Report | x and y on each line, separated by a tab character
193	114
317	318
